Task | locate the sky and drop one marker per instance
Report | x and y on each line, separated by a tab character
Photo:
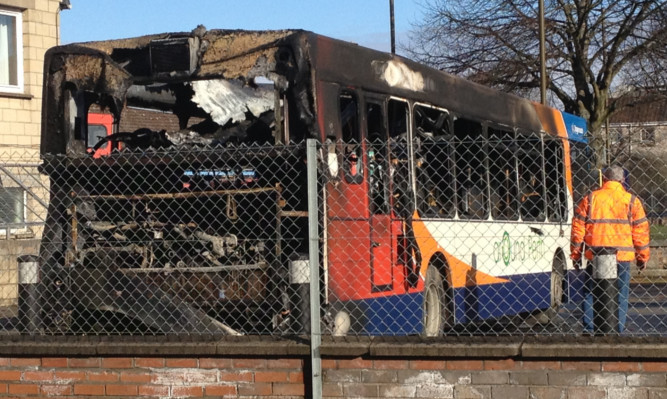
361	21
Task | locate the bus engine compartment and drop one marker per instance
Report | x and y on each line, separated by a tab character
182	218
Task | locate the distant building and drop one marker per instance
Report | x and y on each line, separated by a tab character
638	140
640	126
27	29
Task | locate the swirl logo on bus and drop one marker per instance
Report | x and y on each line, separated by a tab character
519	249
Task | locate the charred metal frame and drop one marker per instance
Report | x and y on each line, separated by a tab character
159	72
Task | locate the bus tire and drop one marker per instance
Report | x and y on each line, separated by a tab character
436	312
557	279
548	315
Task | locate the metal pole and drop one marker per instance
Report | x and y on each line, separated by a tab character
314	260
28	293
607	141
392	29
543	62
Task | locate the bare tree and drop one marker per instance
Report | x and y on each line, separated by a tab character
595	48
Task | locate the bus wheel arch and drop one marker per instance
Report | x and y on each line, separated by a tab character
438	302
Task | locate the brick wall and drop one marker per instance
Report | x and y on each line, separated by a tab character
282	377
497	378
94	377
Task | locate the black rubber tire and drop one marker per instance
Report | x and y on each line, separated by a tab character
557	278
436	309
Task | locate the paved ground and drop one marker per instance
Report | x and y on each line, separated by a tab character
647	312
647	316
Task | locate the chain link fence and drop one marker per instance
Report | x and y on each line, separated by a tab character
436	236
23	202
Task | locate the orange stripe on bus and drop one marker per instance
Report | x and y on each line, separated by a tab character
463	275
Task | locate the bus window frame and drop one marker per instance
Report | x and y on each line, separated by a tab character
449	139
521	149
394	160
560	202
484	150
516	200
351	149
384	165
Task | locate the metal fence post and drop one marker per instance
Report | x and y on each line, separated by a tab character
28	292
313	249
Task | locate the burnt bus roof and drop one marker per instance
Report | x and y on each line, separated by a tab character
356	66
215	47
107	69
110	67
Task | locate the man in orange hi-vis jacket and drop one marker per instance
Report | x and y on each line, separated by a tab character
611	228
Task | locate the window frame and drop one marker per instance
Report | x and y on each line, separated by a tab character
379	191
523	138
401	155
554	162
351	151
494	146
21	227
647	135
448	138
480	139
18	20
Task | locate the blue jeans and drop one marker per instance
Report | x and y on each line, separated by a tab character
623	282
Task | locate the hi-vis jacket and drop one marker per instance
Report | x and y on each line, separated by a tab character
613	218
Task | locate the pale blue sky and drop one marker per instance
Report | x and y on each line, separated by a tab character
362	21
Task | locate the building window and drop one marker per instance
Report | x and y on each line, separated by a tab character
647	136
12	210
11	51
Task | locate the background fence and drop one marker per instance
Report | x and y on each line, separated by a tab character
213	242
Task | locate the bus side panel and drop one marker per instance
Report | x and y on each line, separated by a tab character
402	314
353	275
524	293
349	259
386	315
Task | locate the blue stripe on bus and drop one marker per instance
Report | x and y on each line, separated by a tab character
402	314
394	315
525	293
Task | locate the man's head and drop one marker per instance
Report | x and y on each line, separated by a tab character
613	173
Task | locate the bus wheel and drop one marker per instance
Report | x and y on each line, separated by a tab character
436	311
549	315
557	278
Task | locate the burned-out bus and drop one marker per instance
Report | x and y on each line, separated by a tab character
441	201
